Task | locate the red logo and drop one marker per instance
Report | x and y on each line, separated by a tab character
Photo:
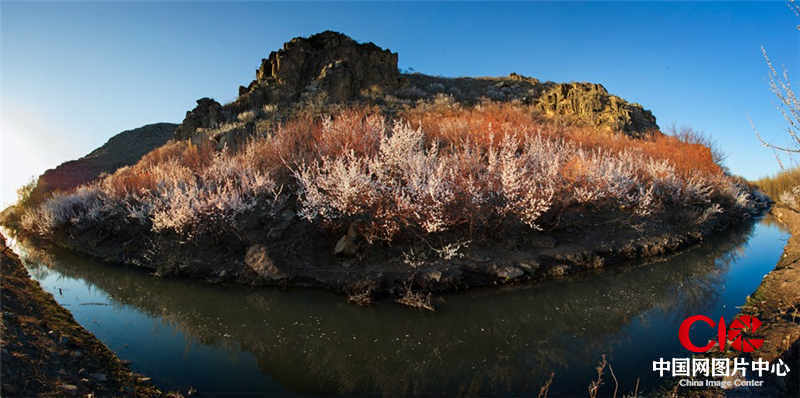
737	333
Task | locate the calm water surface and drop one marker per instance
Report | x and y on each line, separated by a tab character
226	341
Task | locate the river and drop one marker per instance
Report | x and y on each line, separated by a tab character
226	340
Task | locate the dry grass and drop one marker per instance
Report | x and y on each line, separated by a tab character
780	183
490	122
594	386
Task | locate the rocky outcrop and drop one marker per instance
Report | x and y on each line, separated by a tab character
330	68
207	113
592	104
329	61
587	104
123	149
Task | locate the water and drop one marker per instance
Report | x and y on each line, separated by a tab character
228	340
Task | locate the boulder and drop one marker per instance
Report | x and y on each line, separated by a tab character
348	244
508	272
207	114
258	259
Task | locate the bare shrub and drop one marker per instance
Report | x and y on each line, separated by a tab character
594	386
177	188
452	250
416	299
361	293
545	389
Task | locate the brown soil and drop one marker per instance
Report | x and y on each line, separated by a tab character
776	303
292	252
45	353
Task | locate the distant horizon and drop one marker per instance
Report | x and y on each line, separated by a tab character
99	69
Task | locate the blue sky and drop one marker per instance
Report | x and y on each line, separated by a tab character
74	74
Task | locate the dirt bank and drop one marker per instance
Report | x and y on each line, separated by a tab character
46	353
289	251
776	303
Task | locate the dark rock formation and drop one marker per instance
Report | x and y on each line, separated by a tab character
330	68
330	61
123	149
207	113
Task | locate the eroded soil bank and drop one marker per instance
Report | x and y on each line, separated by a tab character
776	303
293	252
46	353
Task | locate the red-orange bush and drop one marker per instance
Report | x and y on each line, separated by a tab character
437	168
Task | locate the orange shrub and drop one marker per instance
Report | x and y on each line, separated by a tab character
129	180
436	168
688	158
483	124
490	122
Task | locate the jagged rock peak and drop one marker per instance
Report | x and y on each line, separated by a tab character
329	61
331	69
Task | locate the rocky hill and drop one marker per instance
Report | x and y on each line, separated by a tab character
123	149
405	190
331	68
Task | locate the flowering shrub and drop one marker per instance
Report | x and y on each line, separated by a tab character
172	194
411	181
440	167
791	197
83	204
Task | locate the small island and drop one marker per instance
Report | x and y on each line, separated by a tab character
334	169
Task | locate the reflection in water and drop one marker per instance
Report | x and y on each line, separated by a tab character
488	341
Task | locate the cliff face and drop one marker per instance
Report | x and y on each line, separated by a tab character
328	65
123	149
591	103
581	103
331	68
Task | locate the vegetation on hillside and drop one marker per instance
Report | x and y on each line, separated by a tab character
783	187
436	167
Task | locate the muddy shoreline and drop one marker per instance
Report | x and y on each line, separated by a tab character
47	353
